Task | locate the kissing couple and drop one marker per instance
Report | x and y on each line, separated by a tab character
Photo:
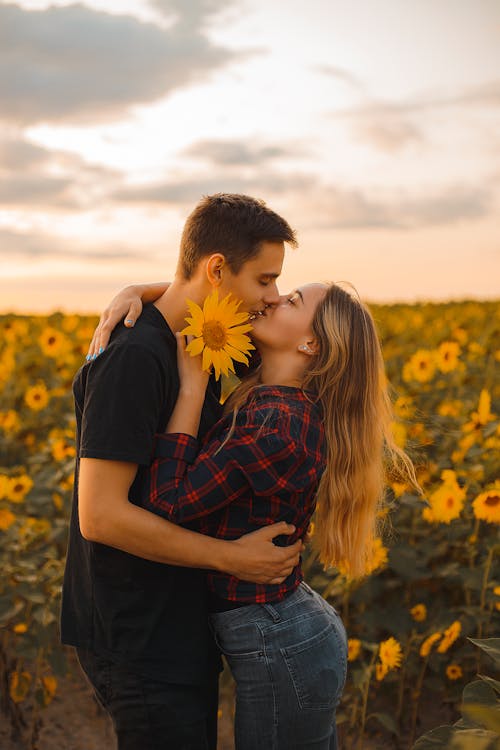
190	515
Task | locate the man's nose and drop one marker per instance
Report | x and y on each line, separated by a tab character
272	296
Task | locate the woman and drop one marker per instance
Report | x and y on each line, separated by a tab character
305	431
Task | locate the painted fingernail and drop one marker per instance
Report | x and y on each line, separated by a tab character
88	357
101	349
94	356
129	322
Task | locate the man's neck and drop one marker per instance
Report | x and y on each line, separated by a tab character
173	303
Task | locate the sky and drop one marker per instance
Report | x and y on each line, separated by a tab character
372	126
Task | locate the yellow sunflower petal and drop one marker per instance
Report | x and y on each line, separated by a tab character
226	362
210	305
240	341
195	346
236	354
207	359
215	360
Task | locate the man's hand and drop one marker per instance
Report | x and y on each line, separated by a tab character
256	559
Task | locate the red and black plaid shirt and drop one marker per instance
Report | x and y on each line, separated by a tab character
267	471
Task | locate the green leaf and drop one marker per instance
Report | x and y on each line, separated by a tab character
495	684
486	716
490	645
474	739
479	692
386	721
405	562
435	739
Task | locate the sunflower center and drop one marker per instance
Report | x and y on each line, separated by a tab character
450	501
214	334
492	500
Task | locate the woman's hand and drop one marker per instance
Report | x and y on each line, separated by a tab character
193	380
127	303
193	384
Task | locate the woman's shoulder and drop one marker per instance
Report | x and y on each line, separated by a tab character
282	408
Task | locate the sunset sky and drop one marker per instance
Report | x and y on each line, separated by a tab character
373	126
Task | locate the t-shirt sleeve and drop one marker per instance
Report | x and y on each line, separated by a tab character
124	399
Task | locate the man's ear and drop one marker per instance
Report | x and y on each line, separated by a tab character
214	269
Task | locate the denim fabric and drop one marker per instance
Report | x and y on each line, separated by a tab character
149	714
289	662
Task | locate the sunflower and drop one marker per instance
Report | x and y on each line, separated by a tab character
419	612
353	649
4	485
454	671
390	653
421	367
52	342
447	356
49	684
379	556
450	635
219	333
483	415
7	518
486	506
449	408
496	592
447	501
62	449
19	487
426	647
37	397
9	421
399	434
380	671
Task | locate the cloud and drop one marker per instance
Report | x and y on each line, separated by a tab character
390	134
485	95
189	191
237	153
35	178
354	209
340	74
75	63
15	244
393	125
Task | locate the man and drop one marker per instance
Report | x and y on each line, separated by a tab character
140	624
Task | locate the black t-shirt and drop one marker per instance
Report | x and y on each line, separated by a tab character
151	615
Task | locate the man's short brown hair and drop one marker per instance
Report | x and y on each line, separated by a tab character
233	225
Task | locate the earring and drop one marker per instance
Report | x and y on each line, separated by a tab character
305	348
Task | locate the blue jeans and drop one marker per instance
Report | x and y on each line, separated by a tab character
289	663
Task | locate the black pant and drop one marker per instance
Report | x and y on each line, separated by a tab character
149	714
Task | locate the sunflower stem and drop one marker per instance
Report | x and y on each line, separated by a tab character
366	690
416	700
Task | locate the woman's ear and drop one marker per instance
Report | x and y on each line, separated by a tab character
309	347
214	269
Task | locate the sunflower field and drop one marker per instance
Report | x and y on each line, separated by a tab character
422	625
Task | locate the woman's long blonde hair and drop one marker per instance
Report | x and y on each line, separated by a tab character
347	378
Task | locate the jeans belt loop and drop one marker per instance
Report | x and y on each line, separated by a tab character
272	612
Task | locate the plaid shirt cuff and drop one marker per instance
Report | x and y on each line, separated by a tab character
176	445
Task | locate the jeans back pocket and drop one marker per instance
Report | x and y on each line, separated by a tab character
317	668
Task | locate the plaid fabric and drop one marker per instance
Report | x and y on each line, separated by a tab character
267	471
